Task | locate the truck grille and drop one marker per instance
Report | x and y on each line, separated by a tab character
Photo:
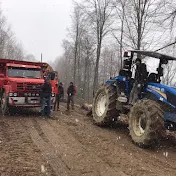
20	86
28	87
33	87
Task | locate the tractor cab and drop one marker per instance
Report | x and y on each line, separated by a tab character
125	79
163	60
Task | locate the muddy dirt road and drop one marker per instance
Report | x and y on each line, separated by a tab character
72	146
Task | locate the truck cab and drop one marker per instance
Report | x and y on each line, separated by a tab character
20	83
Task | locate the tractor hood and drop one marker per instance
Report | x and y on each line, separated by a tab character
163	88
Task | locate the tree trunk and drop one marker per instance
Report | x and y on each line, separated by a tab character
95	84
75	54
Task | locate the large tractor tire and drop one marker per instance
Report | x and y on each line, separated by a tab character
146	123
104	106
4	104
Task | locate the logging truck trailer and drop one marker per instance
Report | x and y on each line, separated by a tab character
20	83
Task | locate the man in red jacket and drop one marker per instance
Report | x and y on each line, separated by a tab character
71	91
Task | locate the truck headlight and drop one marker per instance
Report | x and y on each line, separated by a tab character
13	94
10	94
37	95
53	95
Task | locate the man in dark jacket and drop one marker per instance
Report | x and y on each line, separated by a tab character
46	91
59	96
140	81
71	92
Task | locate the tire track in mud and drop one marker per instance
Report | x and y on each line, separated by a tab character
48	151
94	156
100	151
78	159
17	150
142	159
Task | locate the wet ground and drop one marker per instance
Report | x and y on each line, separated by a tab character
71	145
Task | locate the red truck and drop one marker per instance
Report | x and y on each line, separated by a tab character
20	83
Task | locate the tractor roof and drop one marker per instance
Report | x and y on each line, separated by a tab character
154	54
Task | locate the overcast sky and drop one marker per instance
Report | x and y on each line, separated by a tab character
40	25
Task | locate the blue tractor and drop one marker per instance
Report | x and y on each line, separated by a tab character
151	115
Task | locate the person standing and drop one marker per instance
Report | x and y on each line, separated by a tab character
46	91
140	81
59	96
71	91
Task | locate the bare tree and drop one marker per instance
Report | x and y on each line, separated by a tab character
120	8
141	17
9	47
99	14
76	31
88	51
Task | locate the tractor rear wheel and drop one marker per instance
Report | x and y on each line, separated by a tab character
146	123
104	106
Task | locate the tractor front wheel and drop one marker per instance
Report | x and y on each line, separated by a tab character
146	122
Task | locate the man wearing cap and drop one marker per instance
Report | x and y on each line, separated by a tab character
46	91
59	96
140	81
71	91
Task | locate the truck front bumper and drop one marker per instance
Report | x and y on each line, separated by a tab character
27	101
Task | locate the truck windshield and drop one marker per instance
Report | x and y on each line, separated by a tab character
20	72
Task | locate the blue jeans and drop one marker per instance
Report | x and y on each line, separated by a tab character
46	106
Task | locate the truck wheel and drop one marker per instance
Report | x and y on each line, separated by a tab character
4	105
104	105
146	123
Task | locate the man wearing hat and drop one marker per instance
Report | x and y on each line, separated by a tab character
71	91
46	92
140	81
